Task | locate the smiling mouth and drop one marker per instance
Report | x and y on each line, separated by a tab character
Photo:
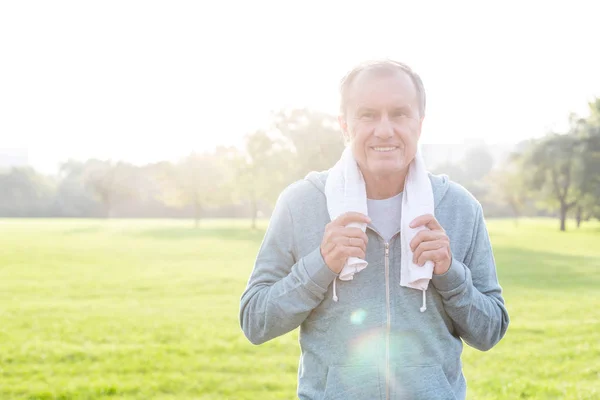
384	149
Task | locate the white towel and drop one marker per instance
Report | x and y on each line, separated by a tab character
345	191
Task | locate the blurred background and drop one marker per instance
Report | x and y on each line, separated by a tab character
143	146
113	110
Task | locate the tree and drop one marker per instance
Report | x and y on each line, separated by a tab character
73	199
315	139
25	193
477	163
199	180
262	170
551	170
507	186
588	132
471	171
110	182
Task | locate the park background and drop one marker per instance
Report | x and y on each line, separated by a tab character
144	144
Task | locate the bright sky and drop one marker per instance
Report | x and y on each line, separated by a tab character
147	80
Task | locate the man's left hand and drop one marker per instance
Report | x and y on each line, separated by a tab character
431	245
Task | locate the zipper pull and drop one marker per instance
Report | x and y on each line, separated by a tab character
387	249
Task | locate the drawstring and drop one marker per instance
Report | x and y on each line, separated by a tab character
335	298
424	306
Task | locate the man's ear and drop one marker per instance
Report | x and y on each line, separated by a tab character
344	127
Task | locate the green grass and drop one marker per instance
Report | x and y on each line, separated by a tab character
149	310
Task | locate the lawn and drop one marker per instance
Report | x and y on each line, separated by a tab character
148	309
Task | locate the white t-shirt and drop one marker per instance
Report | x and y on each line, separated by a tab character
386	215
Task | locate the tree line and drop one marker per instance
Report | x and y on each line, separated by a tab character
557	175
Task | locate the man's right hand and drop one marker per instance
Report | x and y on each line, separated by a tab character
341	242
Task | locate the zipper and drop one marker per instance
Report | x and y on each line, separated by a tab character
388	308
388	327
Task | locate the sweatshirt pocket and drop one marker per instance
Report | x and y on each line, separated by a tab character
422	382
354	382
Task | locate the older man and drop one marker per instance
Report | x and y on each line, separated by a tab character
373	343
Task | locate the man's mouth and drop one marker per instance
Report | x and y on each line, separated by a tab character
384	149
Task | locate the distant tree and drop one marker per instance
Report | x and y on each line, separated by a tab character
477	163
587	130
470	171
110	182
455	171
507	185
158	194
200	180
262	170
73	198
25	193
164	174
551	169
315	138
587	207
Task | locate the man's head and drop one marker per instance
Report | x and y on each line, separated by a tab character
382	110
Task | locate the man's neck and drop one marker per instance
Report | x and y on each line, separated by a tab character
384	187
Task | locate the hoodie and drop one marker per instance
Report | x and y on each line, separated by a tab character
373	343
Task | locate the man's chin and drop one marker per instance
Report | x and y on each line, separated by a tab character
388	170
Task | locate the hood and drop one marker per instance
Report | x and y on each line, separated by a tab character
439	183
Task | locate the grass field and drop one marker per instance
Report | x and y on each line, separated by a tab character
149	310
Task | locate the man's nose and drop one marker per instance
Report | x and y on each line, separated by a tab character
384	128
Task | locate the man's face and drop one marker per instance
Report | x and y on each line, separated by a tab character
382	123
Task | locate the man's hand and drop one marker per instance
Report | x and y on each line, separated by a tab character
431	245
340	242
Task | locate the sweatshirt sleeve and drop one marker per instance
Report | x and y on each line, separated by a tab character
472	295
282	290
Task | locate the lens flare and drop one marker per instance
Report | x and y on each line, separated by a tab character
358	316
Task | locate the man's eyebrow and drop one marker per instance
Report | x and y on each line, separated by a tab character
403	107
406	109
365	108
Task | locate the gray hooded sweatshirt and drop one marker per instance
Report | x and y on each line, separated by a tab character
374	343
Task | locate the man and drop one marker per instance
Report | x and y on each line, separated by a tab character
373	343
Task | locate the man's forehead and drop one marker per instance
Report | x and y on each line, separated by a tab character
372	84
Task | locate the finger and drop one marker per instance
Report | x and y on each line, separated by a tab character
352	251
350	242
329	230
426	236
328	247
332	232
422	236
431	255
350	217
337	253
352	232
355	233
420	220
426	246
427	220
340	235
343	252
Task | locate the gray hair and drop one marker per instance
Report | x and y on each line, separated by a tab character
385	66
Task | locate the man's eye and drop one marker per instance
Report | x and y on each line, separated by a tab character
399	113
367	115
